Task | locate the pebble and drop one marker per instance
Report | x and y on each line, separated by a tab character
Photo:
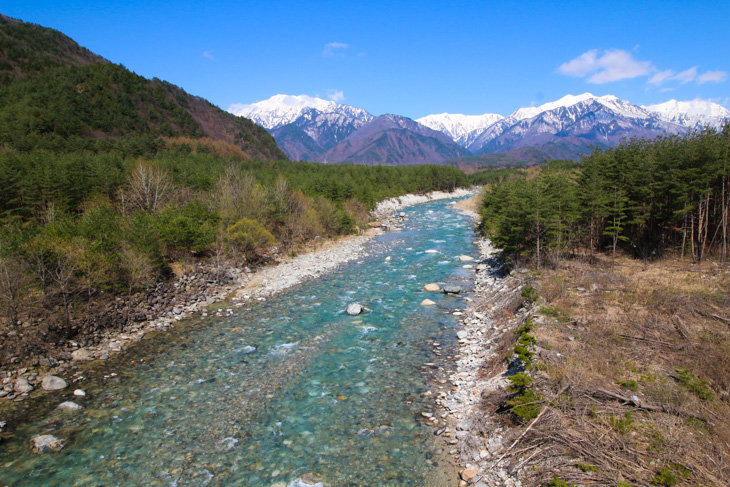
22	386
79	393
70	406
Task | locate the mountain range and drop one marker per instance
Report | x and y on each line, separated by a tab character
312	129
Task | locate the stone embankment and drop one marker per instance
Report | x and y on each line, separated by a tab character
475	440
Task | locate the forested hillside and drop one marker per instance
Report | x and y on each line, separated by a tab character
110	180
645	197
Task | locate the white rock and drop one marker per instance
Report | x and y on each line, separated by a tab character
53	383
79	393
70	406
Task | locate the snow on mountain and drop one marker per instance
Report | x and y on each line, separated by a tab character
461	128
310	128
691	114
572	124
280	110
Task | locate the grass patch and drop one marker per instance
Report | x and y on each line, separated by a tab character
695	385
671	475
629	385
560	314
557	482
585	467
622	424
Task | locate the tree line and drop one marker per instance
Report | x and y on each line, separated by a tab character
645	197
80	226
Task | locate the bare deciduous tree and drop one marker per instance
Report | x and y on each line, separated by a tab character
149	187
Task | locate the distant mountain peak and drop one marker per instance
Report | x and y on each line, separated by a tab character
280	110
461	128
695	113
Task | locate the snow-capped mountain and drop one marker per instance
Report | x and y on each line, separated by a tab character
569	126
312	129
462	129
693	114
280	110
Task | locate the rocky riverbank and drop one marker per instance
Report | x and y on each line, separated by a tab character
198	291
474	439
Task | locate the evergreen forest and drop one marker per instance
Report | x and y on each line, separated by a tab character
644	197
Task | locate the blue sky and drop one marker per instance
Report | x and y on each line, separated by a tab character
409	58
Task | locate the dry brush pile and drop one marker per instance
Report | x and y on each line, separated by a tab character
626	379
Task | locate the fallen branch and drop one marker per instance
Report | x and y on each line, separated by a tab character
650	407
513	444
642	339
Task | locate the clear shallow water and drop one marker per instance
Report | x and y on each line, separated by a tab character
284	387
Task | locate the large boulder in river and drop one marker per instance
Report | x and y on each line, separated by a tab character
451	289
432	287
354	309
53	383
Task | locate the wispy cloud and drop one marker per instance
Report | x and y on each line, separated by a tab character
208	55
712	77
686	76
335	95
606	66
334	49
661	76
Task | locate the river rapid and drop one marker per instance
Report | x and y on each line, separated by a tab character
276	392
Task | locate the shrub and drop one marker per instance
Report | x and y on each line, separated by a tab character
249	237
530	293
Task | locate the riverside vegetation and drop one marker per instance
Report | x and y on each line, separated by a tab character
619	307
112	183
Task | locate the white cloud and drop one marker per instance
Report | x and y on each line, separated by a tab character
334	49
712	77
335	95
580	66
610	65
208	54
661	76
686	76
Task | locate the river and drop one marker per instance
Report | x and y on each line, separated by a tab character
279	388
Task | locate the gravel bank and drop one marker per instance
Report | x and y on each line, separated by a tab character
240	287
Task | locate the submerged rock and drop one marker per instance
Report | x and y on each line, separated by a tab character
45	443
310	478
427	302
53	383
70	406
354	309
450	289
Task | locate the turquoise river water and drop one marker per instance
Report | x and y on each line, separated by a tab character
283	387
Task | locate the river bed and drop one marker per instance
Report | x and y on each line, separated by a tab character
278	391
